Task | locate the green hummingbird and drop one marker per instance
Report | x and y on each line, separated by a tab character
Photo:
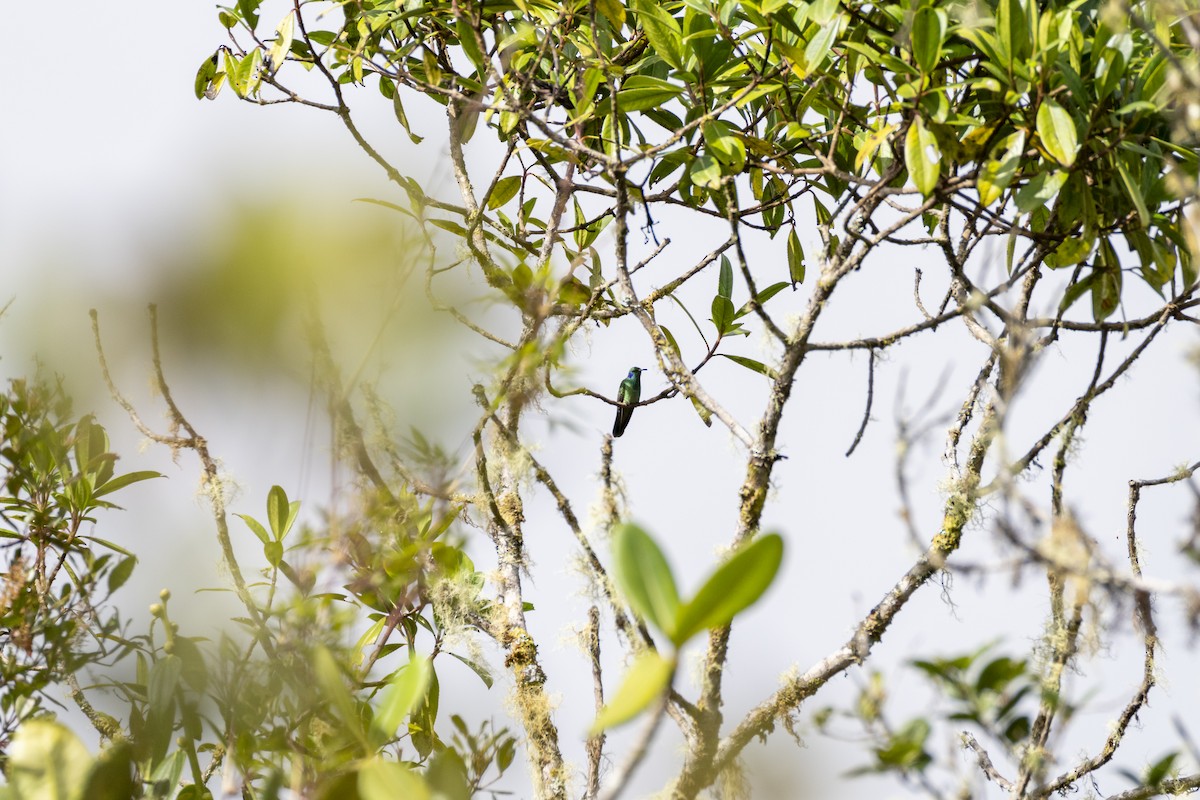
627	396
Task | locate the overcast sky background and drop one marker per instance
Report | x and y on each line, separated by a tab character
108	164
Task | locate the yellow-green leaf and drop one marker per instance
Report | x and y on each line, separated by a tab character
872	143
614	10
997	174
386	780
505	189
642	92
1057	132
406	688
1069	253
283	40
922	156
648	677
47	761
733	587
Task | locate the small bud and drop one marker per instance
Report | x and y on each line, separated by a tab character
165	594
156	610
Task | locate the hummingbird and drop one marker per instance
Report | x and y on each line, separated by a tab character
627	395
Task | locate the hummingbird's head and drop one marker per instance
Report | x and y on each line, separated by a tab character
635	372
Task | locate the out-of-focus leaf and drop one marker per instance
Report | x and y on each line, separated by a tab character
1040	189
121	481
644	577
648	677
406	688
47	761
379	779
734	586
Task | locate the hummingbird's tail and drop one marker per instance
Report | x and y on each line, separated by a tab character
622	420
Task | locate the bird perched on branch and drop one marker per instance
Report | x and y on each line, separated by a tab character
627	396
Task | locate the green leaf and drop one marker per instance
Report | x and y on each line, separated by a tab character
670	339
922	156
722	314
643	92
207	83
1040	189
998	674
762	297
522	276
705	171
406	688
905	749
477	668
169	768
1069	253
1076	290
257	527
121	481
1106	293
648	677
795	257
735	586
819	45
164	680
644	577
47	761
751	364
470	45
1134	191
1012	30
333	687
725	147
662	30
506	189
280	513
1160	770
572	292
402	118
1057	132
121	573
192	667
928	32
111	777
725	278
